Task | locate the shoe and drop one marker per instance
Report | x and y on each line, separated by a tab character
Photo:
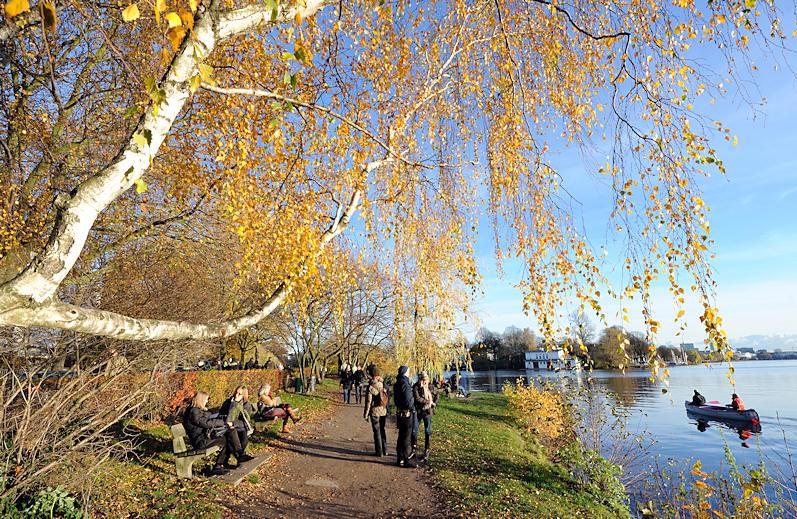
385	453
230	466
243	458
218	470
400	463
410	465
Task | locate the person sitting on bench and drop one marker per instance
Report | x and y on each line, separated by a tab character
235	413
268	408
199	425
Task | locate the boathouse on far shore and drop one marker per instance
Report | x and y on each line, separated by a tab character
550	360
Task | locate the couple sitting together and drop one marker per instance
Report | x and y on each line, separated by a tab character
230	429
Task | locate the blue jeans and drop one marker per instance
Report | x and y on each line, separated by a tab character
427	431
347	395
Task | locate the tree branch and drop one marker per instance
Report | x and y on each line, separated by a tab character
77	212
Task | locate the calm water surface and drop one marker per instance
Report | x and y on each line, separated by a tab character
769	387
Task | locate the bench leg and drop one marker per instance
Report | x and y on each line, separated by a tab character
184	467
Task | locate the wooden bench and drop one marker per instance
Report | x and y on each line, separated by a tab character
184	458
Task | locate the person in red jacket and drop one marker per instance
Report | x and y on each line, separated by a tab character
737	402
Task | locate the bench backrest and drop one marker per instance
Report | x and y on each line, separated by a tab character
178	438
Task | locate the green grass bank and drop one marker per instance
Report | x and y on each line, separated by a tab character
487	467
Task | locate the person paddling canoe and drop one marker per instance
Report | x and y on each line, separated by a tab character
737	402
698	399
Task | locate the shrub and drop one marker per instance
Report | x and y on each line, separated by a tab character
541	410
596	475
46	503
176	389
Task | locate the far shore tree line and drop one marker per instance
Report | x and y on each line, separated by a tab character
612	348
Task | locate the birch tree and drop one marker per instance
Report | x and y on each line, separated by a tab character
294	115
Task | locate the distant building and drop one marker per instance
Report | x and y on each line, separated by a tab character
778	350
554	359
746	350
761	351
686	346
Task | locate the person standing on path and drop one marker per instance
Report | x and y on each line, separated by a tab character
405	416
424	403
375	411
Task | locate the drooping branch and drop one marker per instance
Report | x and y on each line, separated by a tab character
77	211
270	94
109	324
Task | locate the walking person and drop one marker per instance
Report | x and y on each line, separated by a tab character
375	410
357	379
424	404
346	382
405	416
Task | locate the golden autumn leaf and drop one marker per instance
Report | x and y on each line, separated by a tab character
16	7
130	13
176	35
173	20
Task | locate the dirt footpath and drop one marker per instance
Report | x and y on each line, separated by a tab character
328	470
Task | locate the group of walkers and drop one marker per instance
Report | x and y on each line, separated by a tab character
352	380
231	427
414	404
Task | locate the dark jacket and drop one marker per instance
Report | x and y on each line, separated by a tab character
198	424
358	377
346	380
242	417
421	403
402	391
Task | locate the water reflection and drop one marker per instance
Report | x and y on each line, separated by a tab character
626	390
745	431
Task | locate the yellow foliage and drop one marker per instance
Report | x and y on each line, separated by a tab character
542	410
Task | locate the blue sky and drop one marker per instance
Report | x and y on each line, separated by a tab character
753	219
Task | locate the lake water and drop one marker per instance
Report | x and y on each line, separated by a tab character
769	387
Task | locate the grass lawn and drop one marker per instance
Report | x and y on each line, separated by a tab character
487	468
145	484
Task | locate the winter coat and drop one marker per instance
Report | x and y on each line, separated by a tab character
423	406
402	391
375	387
198	424
738	404
346	380
358	377
237	412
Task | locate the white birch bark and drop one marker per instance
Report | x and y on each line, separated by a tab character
30	298
109	324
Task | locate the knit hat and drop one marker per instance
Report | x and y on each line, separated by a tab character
423	375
